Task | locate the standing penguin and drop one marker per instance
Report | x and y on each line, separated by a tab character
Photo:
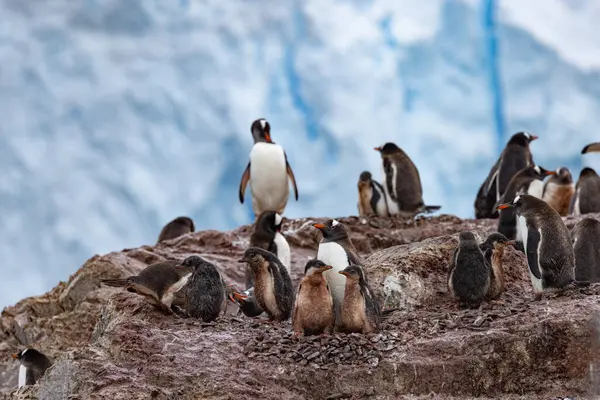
267	172
493	251
267	235
559	190
336	249
587	193
585	236
178	227
515	156
371	196
361	311
468	273
313	312
205	292
157	282
547	244
529	180
33	366
402	183
272	283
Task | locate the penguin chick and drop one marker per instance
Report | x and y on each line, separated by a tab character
205	291
267	172
371	196
585	236
247	303
586	199
558	191
33	366
313	312
272	283
178	227
157	282
468	274
361	311
267	235
493	251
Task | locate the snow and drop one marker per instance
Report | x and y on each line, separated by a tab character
120	115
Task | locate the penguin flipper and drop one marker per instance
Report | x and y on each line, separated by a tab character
591	148
291	175
244	182
30	376
533	242
492	181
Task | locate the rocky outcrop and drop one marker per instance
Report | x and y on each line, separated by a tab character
108	343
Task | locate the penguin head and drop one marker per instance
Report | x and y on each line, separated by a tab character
365	176
388	149
354	273
28	356
563	175
193	262
522	138
586	172
540	172
256	257
497	239
315	266
332	229
261	131
517	202
234	296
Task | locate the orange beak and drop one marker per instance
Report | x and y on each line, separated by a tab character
268	137
344	273
510	243
504	206
533	137
14	355
319	226
239	296
377	149
550	172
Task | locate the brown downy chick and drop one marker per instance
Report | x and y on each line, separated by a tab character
361	312
313	312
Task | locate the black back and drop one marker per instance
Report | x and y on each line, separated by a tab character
36	364
586	246
470	274
263	237
587	191
205	292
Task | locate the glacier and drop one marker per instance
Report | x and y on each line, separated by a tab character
119	115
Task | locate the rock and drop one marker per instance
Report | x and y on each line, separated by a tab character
109	343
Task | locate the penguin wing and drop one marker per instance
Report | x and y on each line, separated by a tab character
372	307
290	174
573	200
30	376
491	178
533	242
244	182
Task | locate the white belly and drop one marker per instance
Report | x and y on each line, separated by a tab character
576	209
268	178
392	206
22	375
168	297
536	188
333	254
283	250
381	206
522	235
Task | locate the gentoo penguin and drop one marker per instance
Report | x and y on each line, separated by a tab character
313	312
267	235
157	282
493	251
33	366
468	273
585	236
247	303
272	283
591	148
529	180
206	291
336	249
558	191
178	227
267	172
586	199
361	311
402	183
371	196
515	156
547	244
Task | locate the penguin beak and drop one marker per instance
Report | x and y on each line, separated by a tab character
533	137
377	149
504	206
242	261
14	355
268	137
550	172
325	268
509	243
238	296
319	226
344	273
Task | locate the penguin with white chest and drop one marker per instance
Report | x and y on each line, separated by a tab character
336	249
547	244
559	190
587	193
371	196
33	366
267	172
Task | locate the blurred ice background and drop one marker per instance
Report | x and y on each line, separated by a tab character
119	115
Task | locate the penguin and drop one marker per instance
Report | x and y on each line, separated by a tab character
313	312
468	273
591	148
361	311
586	199
157	282
559	190
272	283
336	249
371	196
267	235
402	183
247	303
547	244
267	172
529	180
33	366
515	156
493	251
585	237
178	227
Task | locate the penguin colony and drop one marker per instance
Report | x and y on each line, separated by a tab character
334	294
